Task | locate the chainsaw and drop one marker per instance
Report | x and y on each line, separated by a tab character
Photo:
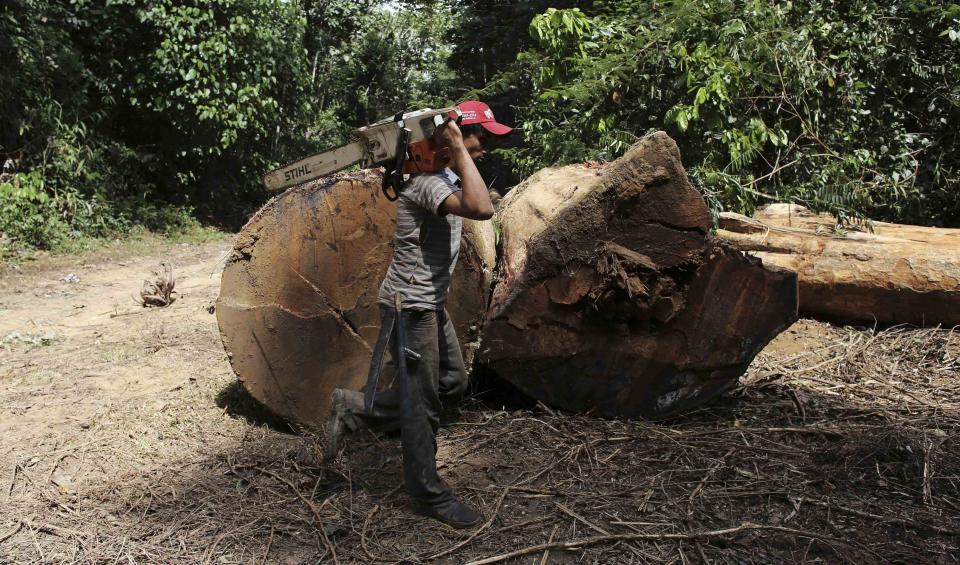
403	145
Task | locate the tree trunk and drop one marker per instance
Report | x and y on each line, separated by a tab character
897	274
611	295
298	307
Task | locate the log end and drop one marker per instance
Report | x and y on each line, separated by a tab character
298	311
641	343
617	300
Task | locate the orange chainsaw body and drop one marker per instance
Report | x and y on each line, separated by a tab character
425	157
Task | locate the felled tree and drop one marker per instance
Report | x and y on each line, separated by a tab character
298	309
612	296
896	274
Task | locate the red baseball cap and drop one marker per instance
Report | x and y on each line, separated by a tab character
476	112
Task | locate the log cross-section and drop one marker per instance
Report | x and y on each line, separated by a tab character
298	309
612	296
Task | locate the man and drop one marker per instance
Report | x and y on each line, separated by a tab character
430	212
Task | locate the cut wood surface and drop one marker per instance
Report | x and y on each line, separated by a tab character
612	297
298	309
897	274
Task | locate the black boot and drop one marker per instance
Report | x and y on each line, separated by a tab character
453	513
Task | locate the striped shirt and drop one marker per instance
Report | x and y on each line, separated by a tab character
426	244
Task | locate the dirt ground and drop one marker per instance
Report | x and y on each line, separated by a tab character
124	438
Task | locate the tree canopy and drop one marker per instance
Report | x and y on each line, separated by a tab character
119	113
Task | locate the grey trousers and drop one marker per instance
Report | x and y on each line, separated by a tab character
437	378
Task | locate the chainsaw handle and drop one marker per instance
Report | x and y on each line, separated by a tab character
393	174
450	118
389	191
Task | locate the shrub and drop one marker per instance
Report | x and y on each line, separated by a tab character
851	107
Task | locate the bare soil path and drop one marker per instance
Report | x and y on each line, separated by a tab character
124	438
72	350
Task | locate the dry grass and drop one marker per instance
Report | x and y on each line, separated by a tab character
128	440
839	448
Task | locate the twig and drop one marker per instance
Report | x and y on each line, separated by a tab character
316	513
576	516
363	532
518	525
36	543
546	408
591	525
266	552
886	519
123	544
706	477
55	530
12	532
13	480
583	542
56	463
546	552
809	430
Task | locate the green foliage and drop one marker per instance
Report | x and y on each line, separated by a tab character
490	33
27	214
214	69
123	115
396	61
38	54
205	90
131	112
850	107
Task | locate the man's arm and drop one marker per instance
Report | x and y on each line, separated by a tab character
474	200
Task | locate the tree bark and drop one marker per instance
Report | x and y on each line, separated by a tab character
298	310
613	297
897	274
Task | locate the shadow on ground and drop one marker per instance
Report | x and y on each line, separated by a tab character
237	402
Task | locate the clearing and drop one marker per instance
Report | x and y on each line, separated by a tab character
125	438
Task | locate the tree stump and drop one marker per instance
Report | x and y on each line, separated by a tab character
298	310
613	297
897	274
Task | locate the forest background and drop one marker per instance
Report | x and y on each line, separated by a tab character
118	116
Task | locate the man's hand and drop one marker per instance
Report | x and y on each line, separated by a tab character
451	138
473	201
450	135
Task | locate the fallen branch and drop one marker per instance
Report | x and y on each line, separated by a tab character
577	544
159	291
886	519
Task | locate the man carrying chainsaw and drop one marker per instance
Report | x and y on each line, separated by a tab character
414	321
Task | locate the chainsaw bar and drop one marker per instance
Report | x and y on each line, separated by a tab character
315	166
371	145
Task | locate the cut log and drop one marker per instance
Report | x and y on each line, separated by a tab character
613	297
298	310
897	274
